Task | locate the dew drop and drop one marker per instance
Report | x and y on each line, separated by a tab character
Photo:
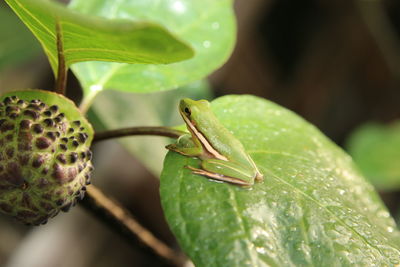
206	44
215	25
261	250
383	214
178	7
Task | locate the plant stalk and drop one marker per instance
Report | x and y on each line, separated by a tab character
158	131
114	214
61	82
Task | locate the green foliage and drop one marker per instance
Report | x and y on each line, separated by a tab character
87	38
376	150
15	48
313	208
208	25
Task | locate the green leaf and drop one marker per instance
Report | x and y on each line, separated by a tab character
87	38
17	43
208	25
313	208
64	104
120	109
376	150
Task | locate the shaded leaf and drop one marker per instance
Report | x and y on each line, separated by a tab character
120	109
88	38
313	208
376	150
208	25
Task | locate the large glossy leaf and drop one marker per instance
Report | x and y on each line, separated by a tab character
120	109
376	150
208	25
87	38
313	208
17	44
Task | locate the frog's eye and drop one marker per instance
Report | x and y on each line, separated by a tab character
188	111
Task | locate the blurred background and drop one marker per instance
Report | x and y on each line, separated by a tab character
335	63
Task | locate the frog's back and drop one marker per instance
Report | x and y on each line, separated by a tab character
222	140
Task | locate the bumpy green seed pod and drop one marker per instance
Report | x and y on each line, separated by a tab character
45	161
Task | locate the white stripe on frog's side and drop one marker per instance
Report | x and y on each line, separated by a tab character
203	140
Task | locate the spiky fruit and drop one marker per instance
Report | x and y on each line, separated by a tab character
45	161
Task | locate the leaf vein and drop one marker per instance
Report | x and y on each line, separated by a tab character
277	153
327	210
34	18
241	224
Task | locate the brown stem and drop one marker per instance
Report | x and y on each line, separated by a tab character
61	82
111	212
159	131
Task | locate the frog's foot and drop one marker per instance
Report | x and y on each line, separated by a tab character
218	177
259	177
186	151
172	147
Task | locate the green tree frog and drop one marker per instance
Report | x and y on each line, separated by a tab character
222	155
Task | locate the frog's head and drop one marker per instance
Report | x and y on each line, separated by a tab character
193	110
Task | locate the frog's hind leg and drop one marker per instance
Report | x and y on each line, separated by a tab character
219	177
239	173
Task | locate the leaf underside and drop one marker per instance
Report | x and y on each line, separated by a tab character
88	38
313	208
207	25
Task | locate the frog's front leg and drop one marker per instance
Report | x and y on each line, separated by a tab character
186	146
225	171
